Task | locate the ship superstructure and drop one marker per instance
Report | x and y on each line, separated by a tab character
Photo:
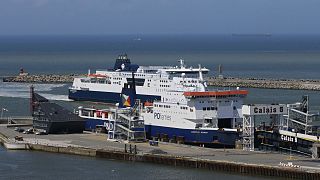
151	82
210	118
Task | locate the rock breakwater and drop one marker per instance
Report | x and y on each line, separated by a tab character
297	84
43	78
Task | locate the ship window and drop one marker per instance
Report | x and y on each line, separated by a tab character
101	81
208	121
208	108
191	110
204	108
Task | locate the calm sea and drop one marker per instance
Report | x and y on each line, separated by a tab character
31	165
276	56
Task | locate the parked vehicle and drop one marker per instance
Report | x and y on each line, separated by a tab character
41	133
18	138
19	129
28	131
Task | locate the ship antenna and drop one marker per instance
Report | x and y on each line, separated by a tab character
200	73
182	65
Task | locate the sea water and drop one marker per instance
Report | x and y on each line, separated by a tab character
275	56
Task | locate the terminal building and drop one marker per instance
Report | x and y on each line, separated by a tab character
52	118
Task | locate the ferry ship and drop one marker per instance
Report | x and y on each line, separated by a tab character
151	81
209	118
177	105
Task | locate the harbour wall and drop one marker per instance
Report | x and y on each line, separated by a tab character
4	140
43	78
223	166
297	84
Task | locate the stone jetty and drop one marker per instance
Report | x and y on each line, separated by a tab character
296	84
44	78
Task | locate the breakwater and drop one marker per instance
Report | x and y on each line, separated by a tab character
42	78
296	84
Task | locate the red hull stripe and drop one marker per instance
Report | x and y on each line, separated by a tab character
217	93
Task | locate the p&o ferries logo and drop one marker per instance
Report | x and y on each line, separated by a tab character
161	116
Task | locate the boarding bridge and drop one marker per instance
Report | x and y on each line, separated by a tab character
250	112
300	119
131	127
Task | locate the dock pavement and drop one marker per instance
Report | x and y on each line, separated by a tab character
99	141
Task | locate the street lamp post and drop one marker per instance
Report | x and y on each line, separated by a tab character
2	111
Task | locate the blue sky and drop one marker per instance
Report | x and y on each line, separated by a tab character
21	17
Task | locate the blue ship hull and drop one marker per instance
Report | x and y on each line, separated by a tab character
91	124
209	138
107	97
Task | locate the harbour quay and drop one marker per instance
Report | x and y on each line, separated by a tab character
296	84
227	160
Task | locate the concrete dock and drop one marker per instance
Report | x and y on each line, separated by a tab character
230	160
